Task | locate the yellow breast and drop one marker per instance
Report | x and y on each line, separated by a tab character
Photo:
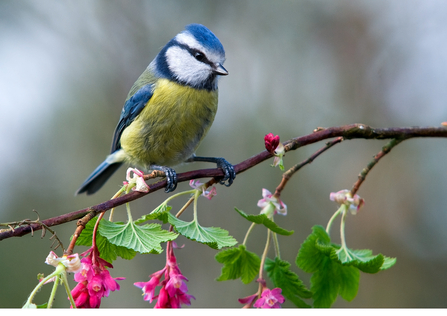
170	127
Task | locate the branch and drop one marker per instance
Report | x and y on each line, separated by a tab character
362	176
351	131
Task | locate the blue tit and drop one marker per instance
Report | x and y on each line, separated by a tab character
169	110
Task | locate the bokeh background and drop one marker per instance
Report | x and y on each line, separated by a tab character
66	68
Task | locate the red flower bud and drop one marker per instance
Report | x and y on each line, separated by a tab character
271	142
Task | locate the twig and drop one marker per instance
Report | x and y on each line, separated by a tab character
29	223
80	227
385	150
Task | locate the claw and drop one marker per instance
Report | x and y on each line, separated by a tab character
228	170
171	177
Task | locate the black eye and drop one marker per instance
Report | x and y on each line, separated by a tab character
199	56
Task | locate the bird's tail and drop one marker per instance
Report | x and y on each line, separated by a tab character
98	177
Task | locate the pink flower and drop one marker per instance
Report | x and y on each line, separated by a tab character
271	142
271	205
95	281
247	301
209	194
173	288
270	299
137	179
149	287
163	299
176	285
72	263
276	148
344	197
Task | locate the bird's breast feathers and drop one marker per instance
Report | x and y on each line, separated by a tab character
170	127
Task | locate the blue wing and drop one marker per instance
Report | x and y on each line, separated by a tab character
130	111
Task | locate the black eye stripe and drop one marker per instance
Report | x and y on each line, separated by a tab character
197	54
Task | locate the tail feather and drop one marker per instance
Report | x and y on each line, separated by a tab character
98	177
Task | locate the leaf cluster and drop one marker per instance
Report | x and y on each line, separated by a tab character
336	272
125	240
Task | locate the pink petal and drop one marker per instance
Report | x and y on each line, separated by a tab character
81	299
248	299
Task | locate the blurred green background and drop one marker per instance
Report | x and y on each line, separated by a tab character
66	68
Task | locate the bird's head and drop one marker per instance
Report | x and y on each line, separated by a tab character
194	57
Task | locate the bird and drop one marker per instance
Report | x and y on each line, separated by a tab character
169	110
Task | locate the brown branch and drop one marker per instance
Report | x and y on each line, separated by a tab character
362	176
366	132
347	132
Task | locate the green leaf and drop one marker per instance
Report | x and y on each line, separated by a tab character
388	263
292	287
264	220
214	237
333	279
142	239
309	257
336	270
158	212
349	282
107	250
363	259
238	263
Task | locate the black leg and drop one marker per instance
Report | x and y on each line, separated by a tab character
226	167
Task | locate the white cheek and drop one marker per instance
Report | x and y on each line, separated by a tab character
185	67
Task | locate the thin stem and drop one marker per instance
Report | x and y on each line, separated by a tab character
334	216
264	254
67	289
185	206
95	229
248	233
196	197
53	292
342	232
117	194
57	271
179	194
129	214
276	245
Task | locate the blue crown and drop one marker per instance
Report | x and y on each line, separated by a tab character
205	37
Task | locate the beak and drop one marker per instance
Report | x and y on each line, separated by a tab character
220	70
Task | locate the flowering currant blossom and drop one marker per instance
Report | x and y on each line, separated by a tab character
173	290
137	179
344	197
276	148
196	184
271	205
71	263
95	281
269	298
